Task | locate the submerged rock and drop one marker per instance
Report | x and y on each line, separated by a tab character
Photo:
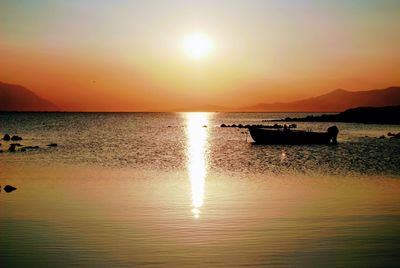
6	137
9	188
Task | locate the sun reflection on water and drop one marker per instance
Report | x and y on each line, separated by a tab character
197	135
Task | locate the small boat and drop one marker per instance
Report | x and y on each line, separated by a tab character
288	136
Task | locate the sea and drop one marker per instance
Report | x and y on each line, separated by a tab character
178	190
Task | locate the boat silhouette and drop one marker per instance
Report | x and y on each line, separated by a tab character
288	136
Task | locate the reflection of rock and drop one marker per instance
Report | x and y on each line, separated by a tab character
16	144
382	137
23	149
12	148
9	188
16	138
29	147
52	145
6	137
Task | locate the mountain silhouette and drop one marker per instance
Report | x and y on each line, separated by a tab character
335	101
18	98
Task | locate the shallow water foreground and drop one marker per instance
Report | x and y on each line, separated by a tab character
127	218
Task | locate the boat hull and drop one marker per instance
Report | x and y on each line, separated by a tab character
268	136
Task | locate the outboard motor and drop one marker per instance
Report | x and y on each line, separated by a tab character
333	131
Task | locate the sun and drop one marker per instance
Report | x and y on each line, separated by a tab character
197	45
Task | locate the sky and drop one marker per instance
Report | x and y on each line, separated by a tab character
100	55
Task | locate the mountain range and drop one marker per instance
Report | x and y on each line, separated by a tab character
334	101
18	98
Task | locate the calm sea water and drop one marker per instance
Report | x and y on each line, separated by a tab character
176	190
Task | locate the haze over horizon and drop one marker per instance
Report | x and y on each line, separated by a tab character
137	55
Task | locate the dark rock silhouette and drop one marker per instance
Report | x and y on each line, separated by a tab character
6	137
52	145
16	138
367	115
12	148
260	126
9	188
393	135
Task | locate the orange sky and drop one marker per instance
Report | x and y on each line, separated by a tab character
128	56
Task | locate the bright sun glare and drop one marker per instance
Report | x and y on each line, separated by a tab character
197	45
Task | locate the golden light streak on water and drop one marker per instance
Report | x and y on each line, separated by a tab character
197	135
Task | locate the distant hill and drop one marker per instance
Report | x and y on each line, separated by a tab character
335	101
18	98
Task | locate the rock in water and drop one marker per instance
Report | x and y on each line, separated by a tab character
6	137
9	188
393	135
16	138
52	145
12	148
